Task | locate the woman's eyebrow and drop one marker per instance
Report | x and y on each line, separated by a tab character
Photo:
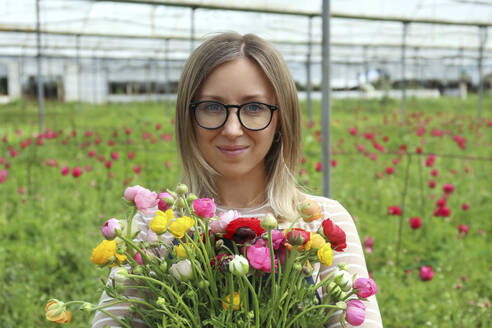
244	99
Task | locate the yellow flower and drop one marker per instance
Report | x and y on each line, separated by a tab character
325	254
106	251
160	221
181	225
181	250
56	312
235	301
316	241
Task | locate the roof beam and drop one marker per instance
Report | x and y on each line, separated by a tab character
297	12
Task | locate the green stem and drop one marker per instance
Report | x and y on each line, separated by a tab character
255	301
311	309
272	264
135	246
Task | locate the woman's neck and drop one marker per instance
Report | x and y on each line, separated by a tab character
242	192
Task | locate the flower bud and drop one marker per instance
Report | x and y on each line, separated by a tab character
191	197
269	222
181	189
343	266
182	270
343	279
120	275
219	244
88	307
163	266
239	265
297	266
202	284
161	302
180	203
109	228
138	270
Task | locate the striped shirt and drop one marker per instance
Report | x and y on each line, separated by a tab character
353	255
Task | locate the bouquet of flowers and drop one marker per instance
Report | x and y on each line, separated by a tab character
194	269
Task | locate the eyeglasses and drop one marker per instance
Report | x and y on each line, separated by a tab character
253	116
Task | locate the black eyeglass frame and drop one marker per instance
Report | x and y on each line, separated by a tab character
194	105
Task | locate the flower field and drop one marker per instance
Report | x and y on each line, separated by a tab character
420	194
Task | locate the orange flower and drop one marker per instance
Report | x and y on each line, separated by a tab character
310	210
56	312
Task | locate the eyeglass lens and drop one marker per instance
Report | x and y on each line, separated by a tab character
252	116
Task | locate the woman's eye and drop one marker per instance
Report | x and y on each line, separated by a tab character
252	108
212	107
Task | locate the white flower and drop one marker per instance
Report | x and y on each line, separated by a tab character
182	270
343	279
239	265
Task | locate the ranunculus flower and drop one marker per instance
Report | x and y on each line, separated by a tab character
415	222
465	207
426	273
180	226
162	204
219	226
296	236
109	228
131	192
463	228
161	221
243	230
239	265
77	171
390	170
432	184
56	312
316	241
236	301
204	207
394	210
448	188
268	222
259	258
182	270
310	210
334	234
105	251
65	170
319	167
325	254
356	312
366	287
145	200
3	175
181	251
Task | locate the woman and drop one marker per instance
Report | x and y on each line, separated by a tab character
238	133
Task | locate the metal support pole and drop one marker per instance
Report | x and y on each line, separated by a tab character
79	69
403	73
192	32
309	87
325	88
482	36
39	77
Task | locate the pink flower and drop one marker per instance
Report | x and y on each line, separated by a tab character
65	170
319	167
356	312
463	228
277	239
434	173
390	170
394	210
114	155
3	175
259	258
145	200
204	207
432	184
366	287
91	153
131	192
163	206
219	226
415	222
465	206
136	169
448	188
138	258
109	228
131	155
353	131
76	172
426	273
368	242
108	164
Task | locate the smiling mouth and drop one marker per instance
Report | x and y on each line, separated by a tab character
233	151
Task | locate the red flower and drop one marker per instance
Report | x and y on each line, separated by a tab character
76	172
353	131
448	188
297	236
415	222
243	230
334	234
319	167
463	228
465	206
390	170
394	210
434	173
432	184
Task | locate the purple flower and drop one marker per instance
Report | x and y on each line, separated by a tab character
366	287
109	228
204	207
356	312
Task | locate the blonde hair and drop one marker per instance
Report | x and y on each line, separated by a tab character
281	162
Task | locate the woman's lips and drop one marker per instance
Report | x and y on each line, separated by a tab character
232	151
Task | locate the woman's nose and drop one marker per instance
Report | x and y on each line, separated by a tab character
232	127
